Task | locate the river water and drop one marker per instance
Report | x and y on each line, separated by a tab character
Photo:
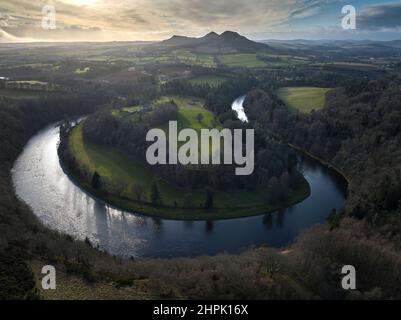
41	183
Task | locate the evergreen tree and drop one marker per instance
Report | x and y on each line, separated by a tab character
96	181
188	203
209	199
155	196
199	117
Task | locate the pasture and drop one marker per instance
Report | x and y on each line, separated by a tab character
245	60
304	99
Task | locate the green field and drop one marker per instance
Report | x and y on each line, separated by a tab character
187	57
213	81
188	109
282	61
245	60
116	166
173	57
82	71
304	99
24	94
29	82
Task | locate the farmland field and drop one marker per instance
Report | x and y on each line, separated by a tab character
190	58
280	61
304	99
245	60
213	81
16	94
188	109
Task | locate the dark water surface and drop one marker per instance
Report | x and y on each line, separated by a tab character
61	205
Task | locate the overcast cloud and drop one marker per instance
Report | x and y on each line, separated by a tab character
105	20
380	17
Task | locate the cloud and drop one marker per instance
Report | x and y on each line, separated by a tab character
81	28
6	37
380	17
307	11
104	20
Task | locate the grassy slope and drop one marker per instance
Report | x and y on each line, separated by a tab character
115	165
279	61
262	269
246	60
305	99
188	109
187	57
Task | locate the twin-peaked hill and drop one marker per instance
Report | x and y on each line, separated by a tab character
213	43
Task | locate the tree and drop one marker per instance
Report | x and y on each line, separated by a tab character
276	191
199	117
65	127
155	196
119	187
138	190
334	219
188	202
96	183
209	199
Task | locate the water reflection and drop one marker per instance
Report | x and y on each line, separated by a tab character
209	226
280	218
268	221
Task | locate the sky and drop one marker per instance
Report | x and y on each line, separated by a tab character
150	20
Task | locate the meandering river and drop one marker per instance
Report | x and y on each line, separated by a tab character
41	183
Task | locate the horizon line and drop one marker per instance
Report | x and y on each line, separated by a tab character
155	41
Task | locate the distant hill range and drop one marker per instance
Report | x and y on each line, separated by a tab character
338	48
213	43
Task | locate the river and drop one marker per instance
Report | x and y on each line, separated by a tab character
40	182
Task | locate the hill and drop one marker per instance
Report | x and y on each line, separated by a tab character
213	43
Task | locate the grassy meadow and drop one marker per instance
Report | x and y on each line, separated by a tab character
304	99
24	94
245	60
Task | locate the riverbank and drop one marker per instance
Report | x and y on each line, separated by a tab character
323	162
